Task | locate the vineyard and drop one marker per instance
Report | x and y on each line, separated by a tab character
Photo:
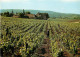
39	38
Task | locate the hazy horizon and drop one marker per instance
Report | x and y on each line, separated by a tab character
61	6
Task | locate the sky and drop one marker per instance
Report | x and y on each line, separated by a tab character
63	6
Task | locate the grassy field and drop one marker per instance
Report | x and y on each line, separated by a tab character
21	37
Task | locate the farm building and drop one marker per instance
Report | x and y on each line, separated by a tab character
42	16
30	16
16	16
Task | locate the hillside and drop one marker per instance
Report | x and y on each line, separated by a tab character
51	13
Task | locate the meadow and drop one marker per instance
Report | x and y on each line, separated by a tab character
21	37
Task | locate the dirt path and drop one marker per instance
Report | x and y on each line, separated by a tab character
44	49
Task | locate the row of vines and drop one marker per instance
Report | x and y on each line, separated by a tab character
64	36
21	37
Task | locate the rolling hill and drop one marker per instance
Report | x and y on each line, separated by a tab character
51	13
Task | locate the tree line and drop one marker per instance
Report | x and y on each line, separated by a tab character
26	15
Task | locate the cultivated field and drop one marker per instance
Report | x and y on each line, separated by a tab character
22	37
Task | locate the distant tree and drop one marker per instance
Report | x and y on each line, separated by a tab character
1	14
6	14
44	16
21	15
23	11
47	15
76	17
27	12
12	12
